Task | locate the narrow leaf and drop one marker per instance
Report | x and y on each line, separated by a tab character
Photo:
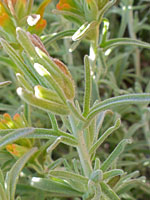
13	174
2	193
110	194
118	101
15	135
115	154
104	136
87	94
69	176
18	61
124	41
112	173
48	39
62	189
42	133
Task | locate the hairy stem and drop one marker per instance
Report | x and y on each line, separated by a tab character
81	148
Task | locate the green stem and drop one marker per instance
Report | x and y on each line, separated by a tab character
132	34
82	149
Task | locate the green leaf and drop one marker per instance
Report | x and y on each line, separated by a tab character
115	154
56	164
128	185
15	135
69	176
2	193
18	61
104	136
60	189
88	87
5	107
65	140
13	175
1	177
42	133
22	81
53	121
73	16
48	39
124	41
97	192
112	173
110	194
113	181
7	62
117	101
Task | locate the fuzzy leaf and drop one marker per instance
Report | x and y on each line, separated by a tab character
62	189
69	176
118	101
115	154
124	41
15	135
13	175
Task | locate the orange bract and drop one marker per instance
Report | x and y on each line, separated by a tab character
65	5
16	116
6	116
41	24
4	17
12	148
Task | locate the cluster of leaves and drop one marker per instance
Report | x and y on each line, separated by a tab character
76	157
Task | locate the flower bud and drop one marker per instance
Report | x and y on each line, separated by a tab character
59	76
46	105
41	92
